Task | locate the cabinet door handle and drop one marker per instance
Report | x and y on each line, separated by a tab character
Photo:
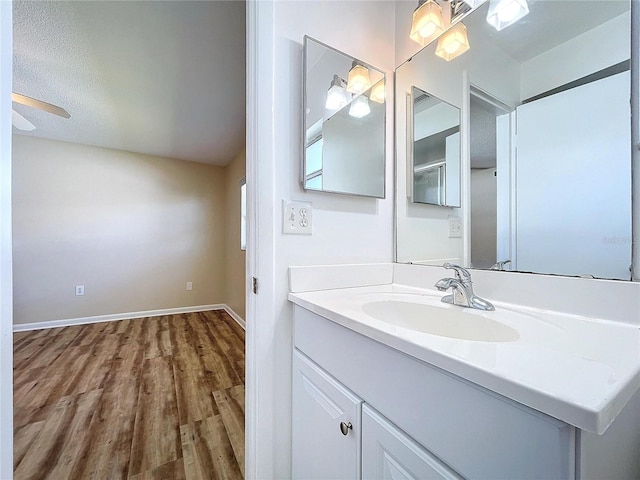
345	427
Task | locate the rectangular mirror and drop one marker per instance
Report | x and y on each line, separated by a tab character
545	144
344	123
436	150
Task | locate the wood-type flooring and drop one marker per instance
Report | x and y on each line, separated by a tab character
148	398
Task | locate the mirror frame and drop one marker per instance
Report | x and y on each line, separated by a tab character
303	164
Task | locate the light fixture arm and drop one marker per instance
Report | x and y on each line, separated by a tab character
338	81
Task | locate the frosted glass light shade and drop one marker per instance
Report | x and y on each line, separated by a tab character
503	13
358	80
360	107
427	22
377	92
336	96
453	42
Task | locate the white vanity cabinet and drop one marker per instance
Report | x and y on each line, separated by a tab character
409	419
335	434
389	454
326	425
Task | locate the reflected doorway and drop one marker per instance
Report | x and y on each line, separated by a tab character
490	153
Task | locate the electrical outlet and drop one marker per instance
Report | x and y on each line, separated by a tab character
79	290
455	227
189	286
296	218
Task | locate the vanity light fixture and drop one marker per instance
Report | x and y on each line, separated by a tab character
377	92
453	42
503	13
360	107
427	22
358	80
337	95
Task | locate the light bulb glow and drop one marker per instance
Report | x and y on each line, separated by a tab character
427	22
452	47
428	30
453	42
377	92
503	13
358	80
360	107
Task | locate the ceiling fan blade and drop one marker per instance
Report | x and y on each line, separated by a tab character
40	105
20	122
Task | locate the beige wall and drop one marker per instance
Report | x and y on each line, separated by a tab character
131	228
234	257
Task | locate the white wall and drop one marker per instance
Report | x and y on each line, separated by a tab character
131	228
6	300
599	48
345	229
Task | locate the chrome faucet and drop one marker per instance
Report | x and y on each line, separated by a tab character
462	289
500	265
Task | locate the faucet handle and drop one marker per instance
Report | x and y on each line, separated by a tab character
462	274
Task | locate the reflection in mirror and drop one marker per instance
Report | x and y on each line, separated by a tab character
344	123
554	195
486	116
436	150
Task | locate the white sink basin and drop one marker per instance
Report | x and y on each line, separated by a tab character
443	321
577	369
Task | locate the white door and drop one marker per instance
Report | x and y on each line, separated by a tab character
573	177
389	454
325	425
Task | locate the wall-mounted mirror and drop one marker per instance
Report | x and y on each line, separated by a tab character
546	144
436	150
344	123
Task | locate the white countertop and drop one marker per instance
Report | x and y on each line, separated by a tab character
579	370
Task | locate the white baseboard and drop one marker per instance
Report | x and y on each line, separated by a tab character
22	327
239	320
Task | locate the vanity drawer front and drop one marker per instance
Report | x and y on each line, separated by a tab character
479	433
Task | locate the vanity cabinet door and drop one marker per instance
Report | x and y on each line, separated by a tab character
326	425
389	454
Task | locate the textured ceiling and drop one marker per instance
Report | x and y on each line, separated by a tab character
164	78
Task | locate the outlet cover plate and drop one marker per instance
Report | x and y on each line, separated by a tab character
297	218
455	227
